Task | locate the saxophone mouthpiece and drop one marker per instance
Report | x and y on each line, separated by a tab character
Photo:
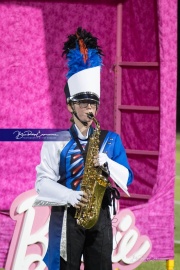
90	115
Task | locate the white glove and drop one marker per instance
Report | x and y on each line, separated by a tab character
103	158
118	172
74	197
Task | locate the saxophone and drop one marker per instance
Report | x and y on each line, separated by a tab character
94	182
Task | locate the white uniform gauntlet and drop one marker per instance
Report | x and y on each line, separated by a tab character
53	193
118	172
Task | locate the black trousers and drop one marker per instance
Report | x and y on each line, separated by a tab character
95	244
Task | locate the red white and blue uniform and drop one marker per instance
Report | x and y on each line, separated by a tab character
59	176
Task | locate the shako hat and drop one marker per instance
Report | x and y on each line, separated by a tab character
84	58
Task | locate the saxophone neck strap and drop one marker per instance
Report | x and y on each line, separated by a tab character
75	137
91	130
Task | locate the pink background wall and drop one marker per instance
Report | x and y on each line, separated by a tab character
140	87
152	24
32	76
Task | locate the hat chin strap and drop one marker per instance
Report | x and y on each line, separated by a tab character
83	122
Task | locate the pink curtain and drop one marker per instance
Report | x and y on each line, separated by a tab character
32	73
149	35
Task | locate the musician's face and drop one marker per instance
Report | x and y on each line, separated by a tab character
82	108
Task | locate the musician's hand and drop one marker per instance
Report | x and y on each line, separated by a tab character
74	197
96	161
100	159
82	201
